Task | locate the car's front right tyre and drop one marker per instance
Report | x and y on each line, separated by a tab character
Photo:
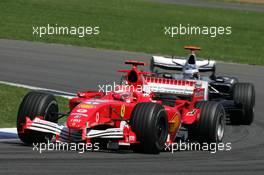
36	104
150	124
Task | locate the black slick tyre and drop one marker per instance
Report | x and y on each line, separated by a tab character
150	124
244	96
210	127
36	104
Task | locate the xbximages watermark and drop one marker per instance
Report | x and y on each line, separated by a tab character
80	31
211	31
63	146
193	146
116	87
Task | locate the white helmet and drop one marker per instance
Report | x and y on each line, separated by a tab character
190	70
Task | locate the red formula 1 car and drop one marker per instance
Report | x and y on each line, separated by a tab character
138	114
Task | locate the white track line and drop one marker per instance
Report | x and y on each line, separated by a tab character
8	133
9	130
11	133
55	92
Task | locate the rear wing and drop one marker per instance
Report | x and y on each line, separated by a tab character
178	63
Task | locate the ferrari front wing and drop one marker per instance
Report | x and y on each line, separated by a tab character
65	134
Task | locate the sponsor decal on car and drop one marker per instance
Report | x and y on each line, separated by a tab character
122	111
87	106
74	120
175	123
191	113
79	114
82	110
92	102
97	118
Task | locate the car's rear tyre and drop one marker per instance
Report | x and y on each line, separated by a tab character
36	104
210	127
150	124
244	95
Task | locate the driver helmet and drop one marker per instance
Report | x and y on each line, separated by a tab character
190	71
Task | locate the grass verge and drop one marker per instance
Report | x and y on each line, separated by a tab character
11	98
138	25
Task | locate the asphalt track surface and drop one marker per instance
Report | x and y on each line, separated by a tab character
71	68
216	4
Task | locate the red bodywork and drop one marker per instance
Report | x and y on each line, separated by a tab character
90	110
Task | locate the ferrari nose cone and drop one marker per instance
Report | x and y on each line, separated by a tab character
76	121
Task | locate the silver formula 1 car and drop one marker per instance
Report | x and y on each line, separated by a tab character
238	98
